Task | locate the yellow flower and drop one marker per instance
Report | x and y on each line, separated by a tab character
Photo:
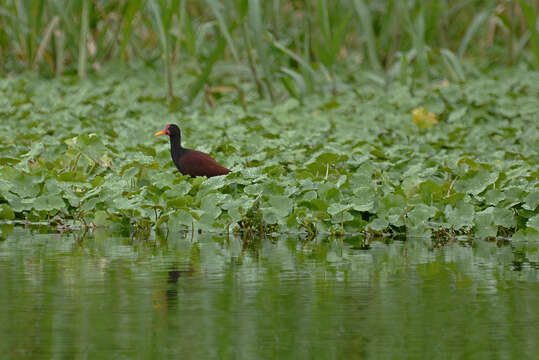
423	118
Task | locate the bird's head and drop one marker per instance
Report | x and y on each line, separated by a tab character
170	130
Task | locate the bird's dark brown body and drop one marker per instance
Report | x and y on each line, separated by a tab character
197	163
191	162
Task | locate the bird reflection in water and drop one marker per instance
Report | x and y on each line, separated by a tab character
167	298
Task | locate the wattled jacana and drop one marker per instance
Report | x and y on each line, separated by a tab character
190	162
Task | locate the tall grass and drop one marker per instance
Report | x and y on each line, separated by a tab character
297	44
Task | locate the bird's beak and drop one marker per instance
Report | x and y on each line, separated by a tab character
160	133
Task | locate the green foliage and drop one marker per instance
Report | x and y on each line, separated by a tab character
305	46
530	14
344	163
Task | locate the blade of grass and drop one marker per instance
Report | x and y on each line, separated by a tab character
416	31
308	74
400	69
323	40
453	65
323	19
170	8
45	41
276	16
257	26
216	9
404	70
188	33
472	29
522	42
387	36
59	50
21	26
133	7
298	80
36	12
158	24
155	10
84	30
67	12
531	21
337	36
215	55
290	53
251	62
368	34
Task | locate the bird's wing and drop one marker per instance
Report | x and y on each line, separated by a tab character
196	163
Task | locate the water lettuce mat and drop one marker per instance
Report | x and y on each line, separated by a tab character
439	159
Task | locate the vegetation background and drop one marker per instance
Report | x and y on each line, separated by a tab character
297	46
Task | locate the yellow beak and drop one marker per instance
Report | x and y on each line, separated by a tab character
159	133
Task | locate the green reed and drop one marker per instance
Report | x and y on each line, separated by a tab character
276	45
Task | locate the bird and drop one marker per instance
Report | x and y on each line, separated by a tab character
190	162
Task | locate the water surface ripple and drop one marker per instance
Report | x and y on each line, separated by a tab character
215	297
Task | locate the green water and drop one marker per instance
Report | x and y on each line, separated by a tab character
215	297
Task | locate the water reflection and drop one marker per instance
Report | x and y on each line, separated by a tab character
215	297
